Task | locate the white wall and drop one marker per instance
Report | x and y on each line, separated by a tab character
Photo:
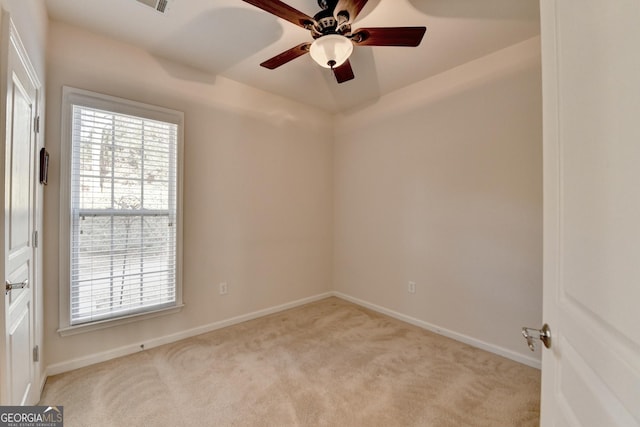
441	183
31	21
257	191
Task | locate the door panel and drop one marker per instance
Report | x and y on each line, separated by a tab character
20	156
19	386
591	64
19	345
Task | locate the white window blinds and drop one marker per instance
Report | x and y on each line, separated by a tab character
123	214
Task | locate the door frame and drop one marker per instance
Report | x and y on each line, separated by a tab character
10	35
551	196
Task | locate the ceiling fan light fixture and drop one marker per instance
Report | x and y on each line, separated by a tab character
331	51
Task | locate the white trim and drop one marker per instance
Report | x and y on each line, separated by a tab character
501	351
108	323
75	96
4	69
91	359
59	368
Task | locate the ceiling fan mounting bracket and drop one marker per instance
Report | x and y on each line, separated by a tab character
327	4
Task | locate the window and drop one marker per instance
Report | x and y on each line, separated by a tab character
122	210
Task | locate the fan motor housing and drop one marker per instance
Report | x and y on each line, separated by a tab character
327	24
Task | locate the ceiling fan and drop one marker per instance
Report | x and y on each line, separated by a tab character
333	38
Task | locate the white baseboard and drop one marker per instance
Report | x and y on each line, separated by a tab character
509	354
91	359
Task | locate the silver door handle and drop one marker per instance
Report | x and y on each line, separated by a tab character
544	335
11	286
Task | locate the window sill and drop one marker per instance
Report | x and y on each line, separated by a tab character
103	324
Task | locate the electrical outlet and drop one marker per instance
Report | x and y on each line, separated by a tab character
411	287
224	288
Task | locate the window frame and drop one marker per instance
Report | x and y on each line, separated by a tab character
73	96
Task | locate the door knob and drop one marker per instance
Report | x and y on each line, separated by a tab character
10	286
531	334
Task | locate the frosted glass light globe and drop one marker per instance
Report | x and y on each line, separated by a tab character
331	51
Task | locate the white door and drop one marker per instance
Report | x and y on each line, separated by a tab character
18	368
591	92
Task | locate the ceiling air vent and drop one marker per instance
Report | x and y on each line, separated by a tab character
159	5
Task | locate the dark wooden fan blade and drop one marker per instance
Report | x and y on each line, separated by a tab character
283	11
344	72
286	56
351	7
389	36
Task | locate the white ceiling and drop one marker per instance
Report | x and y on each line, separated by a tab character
231	38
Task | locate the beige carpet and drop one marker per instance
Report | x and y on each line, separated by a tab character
329	363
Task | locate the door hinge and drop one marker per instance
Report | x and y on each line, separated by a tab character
36	124
36	354
35	238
